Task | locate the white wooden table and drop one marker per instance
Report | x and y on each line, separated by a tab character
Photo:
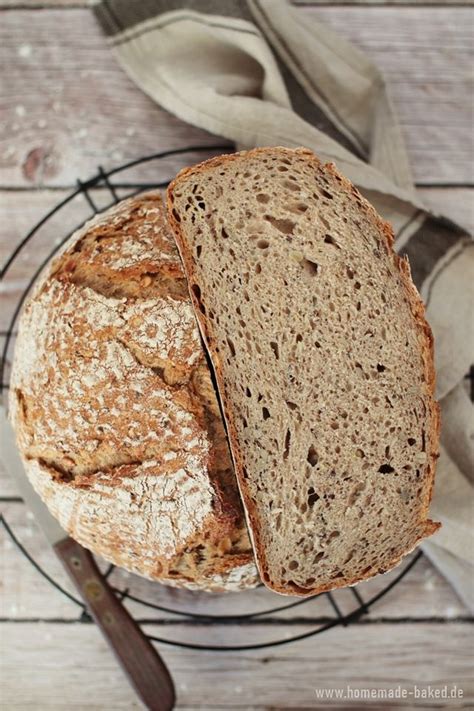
66	108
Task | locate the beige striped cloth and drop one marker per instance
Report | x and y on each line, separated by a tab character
260	73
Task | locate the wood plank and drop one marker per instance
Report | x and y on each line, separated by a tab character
89	112
67	4
65	667
425	55
50	137
41	4
371	3
422	594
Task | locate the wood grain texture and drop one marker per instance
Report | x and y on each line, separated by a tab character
424	54
69	106
372	3
79	672
67	4
138	658
41	4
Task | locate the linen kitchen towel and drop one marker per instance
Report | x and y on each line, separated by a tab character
260	73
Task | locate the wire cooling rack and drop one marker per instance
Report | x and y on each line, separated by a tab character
260	610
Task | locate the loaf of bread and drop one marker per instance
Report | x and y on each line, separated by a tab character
115	413
323	361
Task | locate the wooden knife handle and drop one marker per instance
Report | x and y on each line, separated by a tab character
137	656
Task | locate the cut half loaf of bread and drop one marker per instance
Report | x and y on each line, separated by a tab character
323	361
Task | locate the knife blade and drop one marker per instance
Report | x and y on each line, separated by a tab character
139	659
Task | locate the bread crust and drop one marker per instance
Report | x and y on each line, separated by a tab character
112	404
428	527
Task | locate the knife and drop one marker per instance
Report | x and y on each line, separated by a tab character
139	659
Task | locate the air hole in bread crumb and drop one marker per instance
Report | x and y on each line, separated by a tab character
355	493
312	457
286	450
291	186
293	565
380	368
325	193
386	469
224	233
265	413
297	208
291	405
318	557
411	441
198	250
349	557
329	239
357	285
274	347
258	268
312	496
299	337
231	346
248	392
310	267
263	244
176	215
284	226
263	198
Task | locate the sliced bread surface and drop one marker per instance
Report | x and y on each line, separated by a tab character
323	361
